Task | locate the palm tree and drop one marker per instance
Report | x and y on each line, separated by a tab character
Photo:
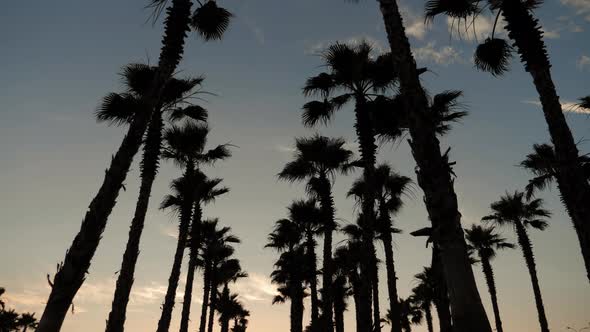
354	76
543	164
317	160
229	308
226	271
118	109
341	291
27	320
493	55
514	210
241	321
307	216
424	293
185	146
205	192
389	186
410	314
485	241
72	271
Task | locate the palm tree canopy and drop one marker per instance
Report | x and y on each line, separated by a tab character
585	102
307	215
514	208
317	155
285	235
485	241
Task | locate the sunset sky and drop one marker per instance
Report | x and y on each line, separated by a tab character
58	58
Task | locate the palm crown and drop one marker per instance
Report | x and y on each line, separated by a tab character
513	209
485	241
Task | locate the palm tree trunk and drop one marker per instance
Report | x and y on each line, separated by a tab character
357	302
527	35
340	304
441	298
296	308
527	252
489	275
428	315
212	303
224	319
328	211
149	168
72	271
206	289
391	283
313	283
434	177
192	266
366	138
375	289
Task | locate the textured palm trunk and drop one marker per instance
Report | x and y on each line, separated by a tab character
527	252
192	266
375	289
224	319
441	298
527	35
206	289
72	272
339	303
392	283
212	302
149	169
489	275
368	149
428	316
328	211
313	283
296	308
434	177
357	302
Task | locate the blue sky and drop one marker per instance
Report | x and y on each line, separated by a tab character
58	59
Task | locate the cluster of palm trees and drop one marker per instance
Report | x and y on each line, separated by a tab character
389	102
12	321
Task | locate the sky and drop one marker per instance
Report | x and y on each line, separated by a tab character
58	59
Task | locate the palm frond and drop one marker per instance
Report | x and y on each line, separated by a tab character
315	112
211	21
493	56
194	112
458	9
585	102
320	85
118	109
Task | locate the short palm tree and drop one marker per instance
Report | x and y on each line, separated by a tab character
424	293
410	314
227	270
205	191
389	186
543	164
241	321
353	75
210	21
493	55
27	321
289	276
119	109
514	210
230	308
435	177
186	146
484	241
318	160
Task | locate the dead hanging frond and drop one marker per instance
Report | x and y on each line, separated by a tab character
493	56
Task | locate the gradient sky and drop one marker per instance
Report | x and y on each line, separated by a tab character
58	58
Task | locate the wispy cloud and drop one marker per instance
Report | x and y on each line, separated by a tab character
566	106
256	288
583	62
582	7
414	23
474	30
320	46
444	55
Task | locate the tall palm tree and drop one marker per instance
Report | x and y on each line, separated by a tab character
205	192
485	241
317	160
72	271
435	177
514	210
544	165
353	75
307	216
389	187
118	109
186	147
493	55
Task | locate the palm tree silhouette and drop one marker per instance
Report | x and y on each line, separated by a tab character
72	271
424	293
410	314
493	55
485	241
389	186
317	160
347	259
435	177
27	320
120	108
185	146
229	308
359	77
514	210
585	102
205	191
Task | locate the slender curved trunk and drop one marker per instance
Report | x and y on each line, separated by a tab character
313	282
224	319
489	275
149	169
328	211
441	298
206	289
195	243
72	271
339	303
434	177
297	308
375	289
428	316
212	303
527	35
394	307
527	251
368	150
